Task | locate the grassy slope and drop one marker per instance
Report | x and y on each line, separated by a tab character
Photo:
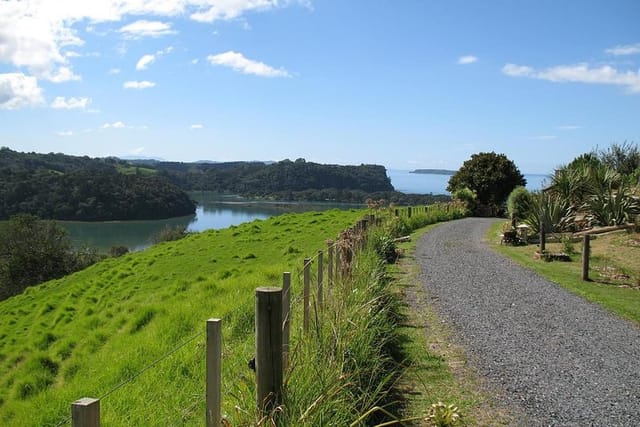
86	333
624	301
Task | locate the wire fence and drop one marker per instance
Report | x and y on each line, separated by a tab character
344	248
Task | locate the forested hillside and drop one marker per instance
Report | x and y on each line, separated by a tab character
260	179
57	186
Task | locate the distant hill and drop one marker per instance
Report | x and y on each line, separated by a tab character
260	179
434	171
58	186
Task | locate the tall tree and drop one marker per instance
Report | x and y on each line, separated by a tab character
491	176
33	251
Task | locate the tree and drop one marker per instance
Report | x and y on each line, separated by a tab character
491	176
33	251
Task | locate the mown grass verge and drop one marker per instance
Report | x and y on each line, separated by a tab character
435	368
610	253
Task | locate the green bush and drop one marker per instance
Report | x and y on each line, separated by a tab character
169	234
519	204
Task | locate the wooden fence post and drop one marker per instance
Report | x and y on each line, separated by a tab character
85	412
286	317
543	237
305	293
320	279
330	250
214	376
408	211
268	348
586	249
337	252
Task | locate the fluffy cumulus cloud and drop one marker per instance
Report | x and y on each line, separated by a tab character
144	84
144	62
578	73
62	103
18	90
196	126
238	62
144	28
43	37
467	59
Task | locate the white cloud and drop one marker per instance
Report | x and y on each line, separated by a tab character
467	59
167	50
62	103
18	90
195	61
115	71
629	49
579	73
517	70
568	127
144	62
225	10
238	62
144	28
196	126
138	150
114	125
138	85
60	74
65	133
35	34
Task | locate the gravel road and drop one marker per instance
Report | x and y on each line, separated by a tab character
548	353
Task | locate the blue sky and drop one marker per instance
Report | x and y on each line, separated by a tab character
406	83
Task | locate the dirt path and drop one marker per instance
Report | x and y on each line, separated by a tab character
552	355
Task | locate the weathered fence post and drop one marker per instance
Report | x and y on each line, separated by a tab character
337	252
286	317
330	250
397	212
305	293
408	211
543	237
85	412
268	348
320	279
214	376
586	249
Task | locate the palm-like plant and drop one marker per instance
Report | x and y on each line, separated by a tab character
552	210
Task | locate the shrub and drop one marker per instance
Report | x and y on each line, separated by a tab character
117	251
519	203
466	196
168	234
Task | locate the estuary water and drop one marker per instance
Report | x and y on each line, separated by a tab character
217	211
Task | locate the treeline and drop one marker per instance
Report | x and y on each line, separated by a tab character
297	180
260	179
57	186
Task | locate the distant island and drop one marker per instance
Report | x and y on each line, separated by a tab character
434	171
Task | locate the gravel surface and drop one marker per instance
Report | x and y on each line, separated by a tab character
550	354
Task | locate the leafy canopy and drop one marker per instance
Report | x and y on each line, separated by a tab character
491	176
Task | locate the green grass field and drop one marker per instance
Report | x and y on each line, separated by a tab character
85	334
614	269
